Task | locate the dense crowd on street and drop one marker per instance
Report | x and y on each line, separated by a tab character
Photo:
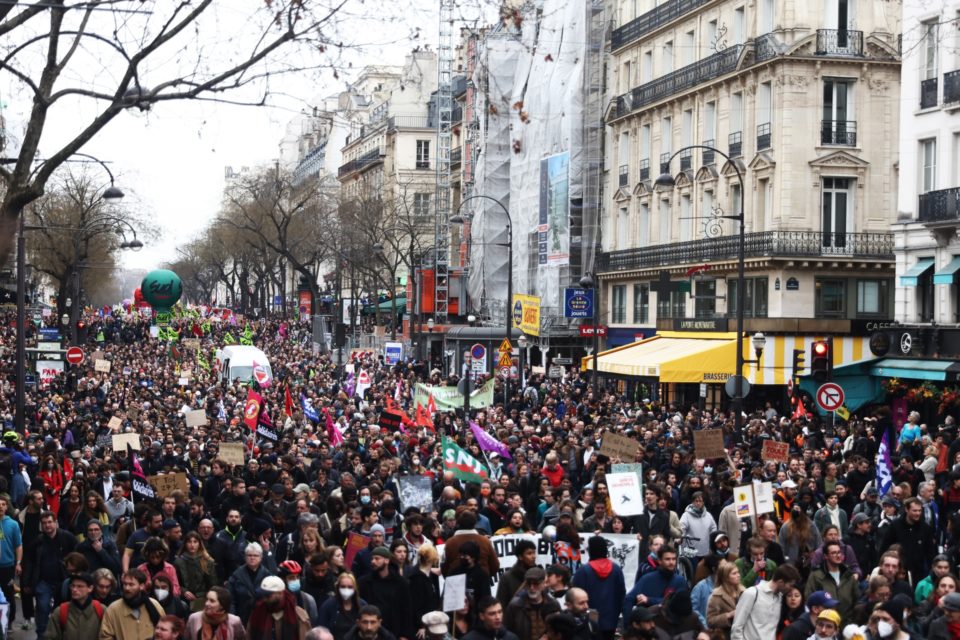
260	550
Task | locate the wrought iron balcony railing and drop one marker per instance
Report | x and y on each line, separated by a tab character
765	47
763	136
652	19
928	93
838	132
707	155
839	42
940	206
951	87
370	158
682	79
757	245
624	175
645	169
735	144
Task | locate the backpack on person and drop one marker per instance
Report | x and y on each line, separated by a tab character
65	612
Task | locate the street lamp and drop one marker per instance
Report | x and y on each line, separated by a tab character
429	346
587	282
459	219
522	345
667	181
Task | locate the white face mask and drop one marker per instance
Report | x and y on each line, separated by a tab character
884	628
161	594
346	593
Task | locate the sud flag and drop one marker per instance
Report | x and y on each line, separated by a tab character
308	409
251	410
463	465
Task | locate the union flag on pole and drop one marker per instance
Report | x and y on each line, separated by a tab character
251	409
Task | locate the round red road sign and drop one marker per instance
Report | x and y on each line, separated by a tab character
74	355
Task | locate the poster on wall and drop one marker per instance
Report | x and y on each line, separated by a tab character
553	229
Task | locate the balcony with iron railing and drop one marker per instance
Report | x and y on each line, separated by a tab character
940	206
657	17
409	122
839	42
838	132
686	160
951	87
644	169
363	162
735	144
624	175
707	155
763	244
763	136
928	93
709	68
765	47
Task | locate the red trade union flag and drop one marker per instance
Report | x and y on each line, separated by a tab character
251	410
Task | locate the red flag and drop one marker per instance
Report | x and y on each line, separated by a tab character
424	419
287	402
251	410
799	412
431	406
336	438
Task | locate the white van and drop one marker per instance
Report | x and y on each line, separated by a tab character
237	360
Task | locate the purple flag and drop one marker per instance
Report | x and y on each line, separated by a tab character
884	465
350	386
488	443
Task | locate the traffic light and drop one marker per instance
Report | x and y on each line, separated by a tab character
81	336
821	360
799	362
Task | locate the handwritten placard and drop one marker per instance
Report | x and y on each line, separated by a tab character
232	453
133	413
196	418
615	445
708	443
167	483
775	451
115	423
101	366
121	440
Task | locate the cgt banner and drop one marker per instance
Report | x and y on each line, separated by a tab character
624	550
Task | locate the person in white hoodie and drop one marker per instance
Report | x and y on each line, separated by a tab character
697	524
758	609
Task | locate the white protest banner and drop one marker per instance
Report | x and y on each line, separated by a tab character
49	370
626	494
455	592
415	491
743	499
121	440
232	453
196	418
624	551
763	497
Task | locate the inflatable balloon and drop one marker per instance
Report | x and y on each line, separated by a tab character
162	289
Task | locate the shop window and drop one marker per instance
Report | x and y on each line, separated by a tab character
618	306
641	303
755	300
830	298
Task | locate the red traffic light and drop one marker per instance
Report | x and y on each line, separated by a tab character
820	348
81	324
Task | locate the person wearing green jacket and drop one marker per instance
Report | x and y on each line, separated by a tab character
755	568
836	579
939	567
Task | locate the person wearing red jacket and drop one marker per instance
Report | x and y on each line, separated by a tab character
552	469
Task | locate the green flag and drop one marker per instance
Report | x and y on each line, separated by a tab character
228	339
247	337
462	464
203	361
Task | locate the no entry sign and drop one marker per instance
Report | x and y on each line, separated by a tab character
74	355
830	396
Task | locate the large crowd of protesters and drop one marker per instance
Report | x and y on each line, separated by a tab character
259	550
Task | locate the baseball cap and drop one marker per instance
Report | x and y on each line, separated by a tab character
435	622
535	574
272	584
950	602
170	523
859	519
788	484
872	491
642	614
822	599
890	501
831	615
383	552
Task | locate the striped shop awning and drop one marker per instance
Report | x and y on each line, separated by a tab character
777	359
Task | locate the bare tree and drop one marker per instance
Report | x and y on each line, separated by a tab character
110	55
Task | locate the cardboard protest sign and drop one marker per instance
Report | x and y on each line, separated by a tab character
618	446
454	592
196	418
743	501
232	453
115	423
763	497
355	542
775	451
167	483
101	366
708	443
121	440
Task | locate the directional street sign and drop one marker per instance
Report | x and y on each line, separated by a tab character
830	396
74	355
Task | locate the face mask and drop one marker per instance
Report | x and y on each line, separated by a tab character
884	628
346	593
364	499
161	594
293	586
708	470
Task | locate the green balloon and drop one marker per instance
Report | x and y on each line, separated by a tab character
162	289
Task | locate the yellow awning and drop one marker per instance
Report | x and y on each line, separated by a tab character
672	357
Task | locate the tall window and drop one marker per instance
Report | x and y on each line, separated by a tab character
666	135
764	205
928	60
837	126
423	154
766	16
646	69
618	304
672	306
739	25
421	209
623	229
664	221
736	112
705	305
686	218
710	122
667	57
625	79
686	134
710	38
764	103
830	298
645	142
643	222
928	158
641	303
755	300
706	211
689	52
872	297
836	212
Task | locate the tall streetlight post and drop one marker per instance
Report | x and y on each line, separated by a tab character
111	194
667	181
459	219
